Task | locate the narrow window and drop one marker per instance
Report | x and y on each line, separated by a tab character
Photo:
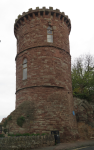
49	34
24	69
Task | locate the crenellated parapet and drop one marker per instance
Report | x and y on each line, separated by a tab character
32	14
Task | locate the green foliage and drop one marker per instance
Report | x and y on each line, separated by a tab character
27	115
83	77
20	121
10	118
26	134
30	9
5	130
19	16
5	123
11	134
2	135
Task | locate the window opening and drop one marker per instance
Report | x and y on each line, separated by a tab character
49	34
24	69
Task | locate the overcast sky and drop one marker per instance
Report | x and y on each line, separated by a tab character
81	14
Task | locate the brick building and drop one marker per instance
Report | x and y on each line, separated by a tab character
43	68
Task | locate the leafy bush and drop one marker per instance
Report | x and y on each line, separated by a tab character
2	135
82	73
20	121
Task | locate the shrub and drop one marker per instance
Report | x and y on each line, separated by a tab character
20	121
2	135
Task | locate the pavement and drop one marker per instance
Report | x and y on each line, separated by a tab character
69	146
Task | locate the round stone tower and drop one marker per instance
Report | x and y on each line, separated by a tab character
43	68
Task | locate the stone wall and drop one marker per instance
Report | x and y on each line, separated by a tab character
85	131
31	123
84	112
16	143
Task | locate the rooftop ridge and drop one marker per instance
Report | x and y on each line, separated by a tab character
39	12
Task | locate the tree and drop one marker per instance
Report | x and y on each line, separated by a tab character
83	77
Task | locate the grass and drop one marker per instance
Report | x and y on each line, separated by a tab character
25	134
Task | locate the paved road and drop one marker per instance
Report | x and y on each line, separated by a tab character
46	148
81	148
83	145
85	148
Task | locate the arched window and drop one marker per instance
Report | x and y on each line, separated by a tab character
24	69
49	34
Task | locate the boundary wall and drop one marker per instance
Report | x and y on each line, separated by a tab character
15	143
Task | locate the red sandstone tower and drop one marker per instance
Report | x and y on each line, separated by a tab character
43	68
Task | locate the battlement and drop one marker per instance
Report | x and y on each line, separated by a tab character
32	14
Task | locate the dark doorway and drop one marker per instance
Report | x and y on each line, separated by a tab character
56	136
